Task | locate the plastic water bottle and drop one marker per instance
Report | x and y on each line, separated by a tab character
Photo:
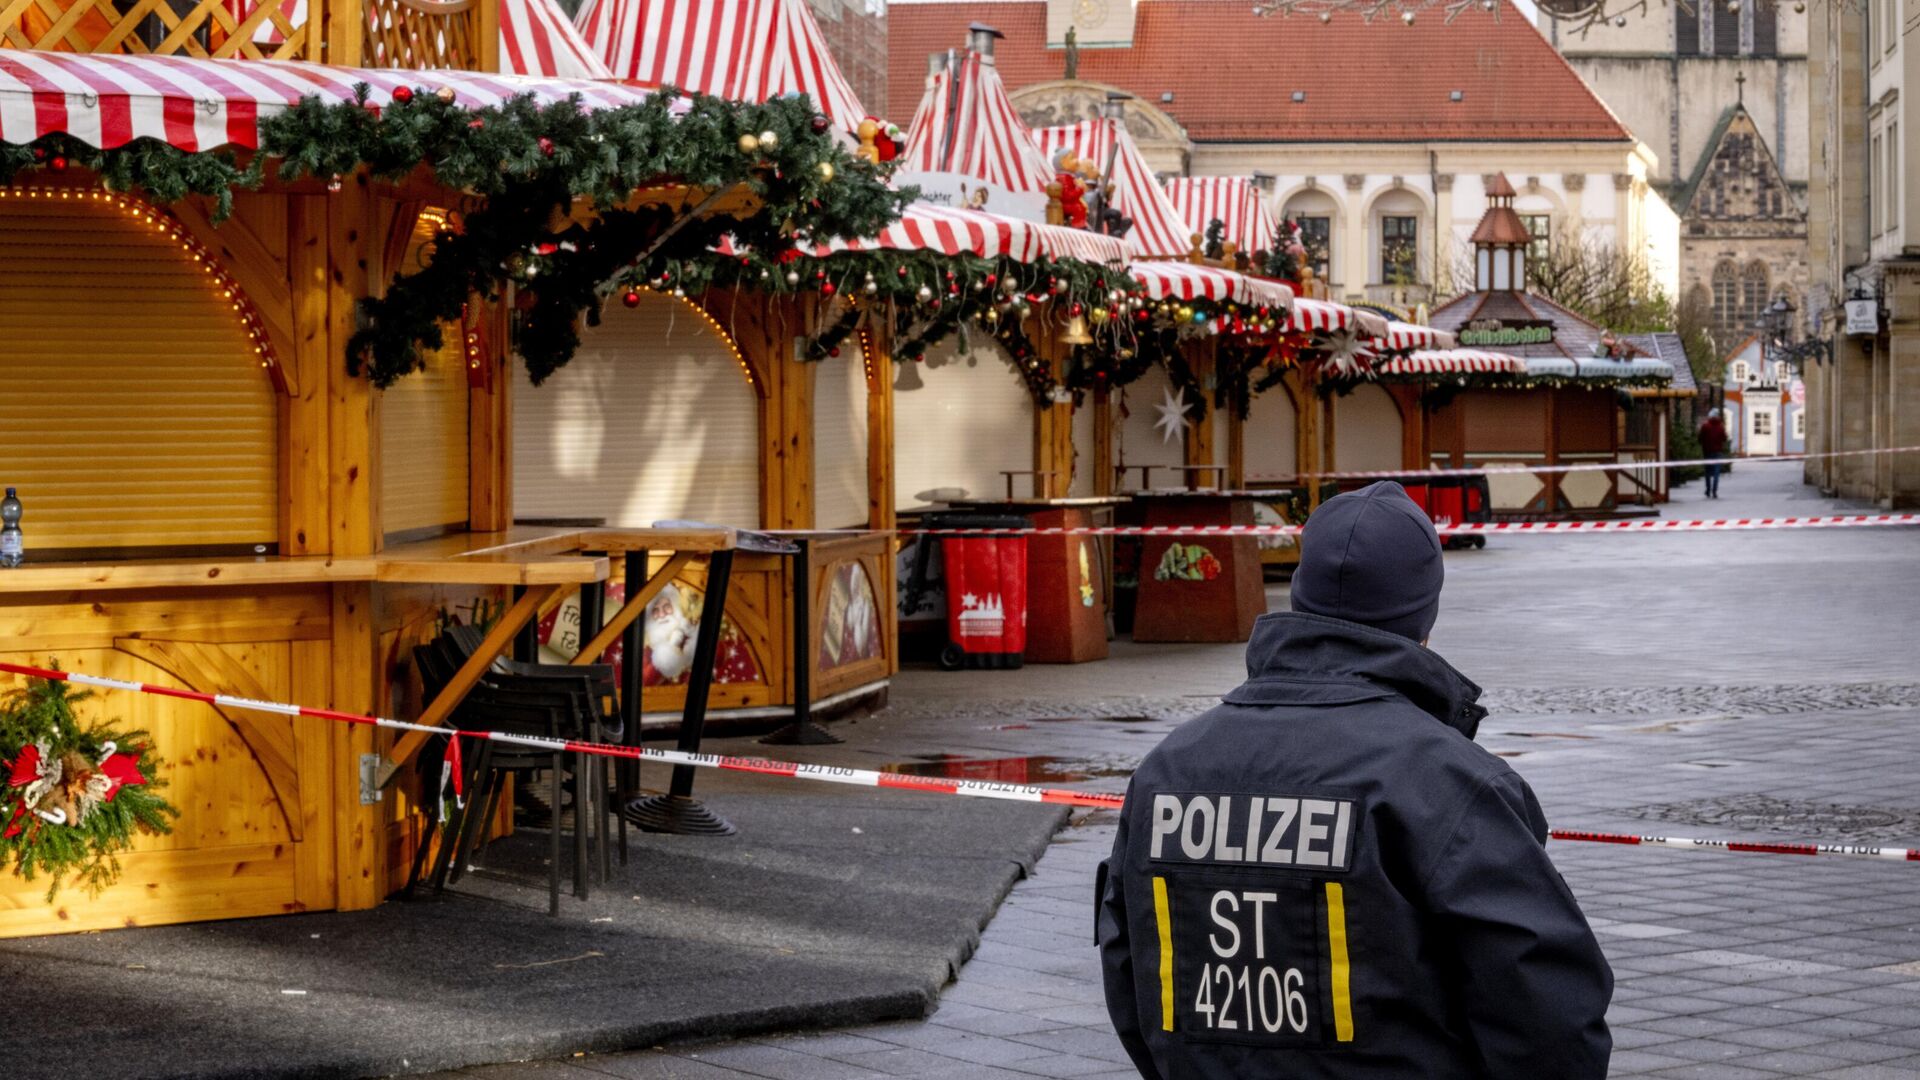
13	546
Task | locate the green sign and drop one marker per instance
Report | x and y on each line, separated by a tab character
1506	335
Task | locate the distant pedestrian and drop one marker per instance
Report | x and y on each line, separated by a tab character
1324	877
1713	447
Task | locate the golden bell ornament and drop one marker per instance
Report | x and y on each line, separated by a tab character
1077	332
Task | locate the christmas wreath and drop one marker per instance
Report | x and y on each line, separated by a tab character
72	797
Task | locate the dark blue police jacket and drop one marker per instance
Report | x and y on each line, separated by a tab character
1325	877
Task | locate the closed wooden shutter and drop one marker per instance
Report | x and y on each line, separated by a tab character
134	413
1270	436
652	420
423	444
1141	443
1367	432
840	441
957	421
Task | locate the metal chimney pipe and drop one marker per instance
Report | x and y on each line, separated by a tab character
980	39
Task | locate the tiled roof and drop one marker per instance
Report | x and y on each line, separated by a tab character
1233	74
1668	347
1573	336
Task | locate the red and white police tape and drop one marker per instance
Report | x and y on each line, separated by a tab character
1484	528
1598	466
835	774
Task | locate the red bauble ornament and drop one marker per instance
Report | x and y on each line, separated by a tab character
546	146
1141	315
39	154
826	288
403	94
992	280
631	298
373	110
59	163
1074	310
903	271
835	351
476	124
820	124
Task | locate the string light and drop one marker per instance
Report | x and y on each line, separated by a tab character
721	332
224	285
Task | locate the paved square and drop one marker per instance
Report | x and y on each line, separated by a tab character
1756	686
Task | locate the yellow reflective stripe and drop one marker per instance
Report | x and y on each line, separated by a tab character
1165	921
1337	947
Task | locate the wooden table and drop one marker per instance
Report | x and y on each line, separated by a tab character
1198	588
1195	475
1066	578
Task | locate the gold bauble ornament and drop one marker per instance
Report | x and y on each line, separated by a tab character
749	144
769	140
826	170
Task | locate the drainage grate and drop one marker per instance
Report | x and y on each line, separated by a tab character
1769	814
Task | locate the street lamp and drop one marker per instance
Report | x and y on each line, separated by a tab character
1775	325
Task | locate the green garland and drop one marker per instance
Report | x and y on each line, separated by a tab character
73	798
529	161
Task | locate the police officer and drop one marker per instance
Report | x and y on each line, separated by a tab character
1325	877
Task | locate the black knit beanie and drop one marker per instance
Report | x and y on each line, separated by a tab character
1371	556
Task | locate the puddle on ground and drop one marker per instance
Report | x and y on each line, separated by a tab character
1509	753
1013	770
1024	725
1546	735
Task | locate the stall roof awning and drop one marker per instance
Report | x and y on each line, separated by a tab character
108	100
1403	336
741	50
537	38
1322	315
951	231
1551	365
1451	362
1190	281
965	124
1638	367
1158	229
1235	201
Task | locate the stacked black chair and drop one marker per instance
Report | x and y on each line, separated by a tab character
544	701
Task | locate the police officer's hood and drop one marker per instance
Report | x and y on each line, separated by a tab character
1299	659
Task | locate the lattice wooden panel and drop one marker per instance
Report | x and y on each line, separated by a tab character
280	30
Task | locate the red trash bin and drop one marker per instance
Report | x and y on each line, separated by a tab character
986	583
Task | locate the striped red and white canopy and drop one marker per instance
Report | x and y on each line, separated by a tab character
1158	229
1189	281
1322	315
537	38
1236	201
742	50
1452	362
950	231
1401	337
966	125
108	100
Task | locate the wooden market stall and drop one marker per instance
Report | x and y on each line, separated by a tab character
217	500
1564	408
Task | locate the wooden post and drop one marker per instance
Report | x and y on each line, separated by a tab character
304	428
487	14
1236	449
345	33
1103	478
1052	420
353	425
881	507
490	431
1306	433
1199	449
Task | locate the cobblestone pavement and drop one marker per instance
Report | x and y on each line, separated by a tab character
1737	685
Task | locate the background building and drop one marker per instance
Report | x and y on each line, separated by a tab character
1378	136
1865	250
856	33
1718	94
